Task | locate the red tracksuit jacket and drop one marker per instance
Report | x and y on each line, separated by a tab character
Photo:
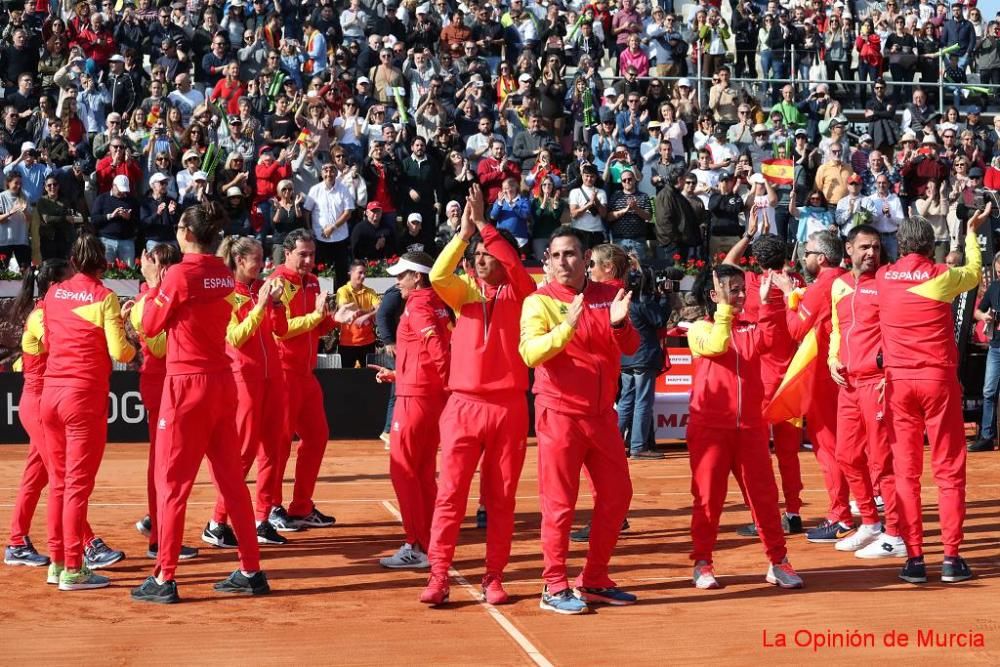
577	370
773	364
83	326
154	350
484	352
33	353
195	302
856	338
918	328
300	343
250	338
422	345
727	391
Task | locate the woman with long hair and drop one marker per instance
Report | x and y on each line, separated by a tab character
194	306
288	213
83	333
152	375
549	212
260	385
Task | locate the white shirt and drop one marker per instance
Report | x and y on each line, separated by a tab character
589	221
349	136
709	177
326	205
885	224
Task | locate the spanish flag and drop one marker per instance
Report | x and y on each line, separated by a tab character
790	401
778	171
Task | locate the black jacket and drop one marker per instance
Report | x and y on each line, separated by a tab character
648	316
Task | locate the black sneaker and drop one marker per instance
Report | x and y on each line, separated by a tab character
791	524
266	534
315	519
280	520
151	591
221	536
984	445
240	584
187	552
648	455
583	535
144	526
915	572
749	530
98	555
481	519
954	570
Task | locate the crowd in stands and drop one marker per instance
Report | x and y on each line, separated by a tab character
368	121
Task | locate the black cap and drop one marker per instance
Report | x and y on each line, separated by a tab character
726	176
975	172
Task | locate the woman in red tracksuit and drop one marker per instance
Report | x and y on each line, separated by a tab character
421	378
726	431
194	305
152	375
83	332
260	384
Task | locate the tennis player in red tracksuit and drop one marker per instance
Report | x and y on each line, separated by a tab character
421	377
260	384
922	389
487	412
726	432
824	252
194	305
862	441
573	332
82	324
305	307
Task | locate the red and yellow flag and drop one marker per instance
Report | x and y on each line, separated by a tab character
778	171
790	401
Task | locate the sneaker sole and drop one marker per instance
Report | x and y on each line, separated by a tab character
567	612
101	566
825	540
486	598
281	529
715	585
852	549
954	579
82	587
152	556
155	599
600	599
306	524
435	603
244	591
774	581
883	554
24	563
408	566
914	580
264	540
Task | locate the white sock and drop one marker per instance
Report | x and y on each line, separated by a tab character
791	515
258	523
872	527
213	524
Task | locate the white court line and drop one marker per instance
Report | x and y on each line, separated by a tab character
731	575
508	627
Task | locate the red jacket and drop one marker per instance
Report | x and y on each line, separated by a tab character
299	345
33	353
815	312
577	369
154	350
106	173
918	328
422	340
83	332
775	362
856	338
484	354
230	94
250	337
98	46
727	391
193	306
491	177
268	177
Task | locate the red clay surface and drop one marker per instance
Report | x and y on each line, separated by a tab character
333	604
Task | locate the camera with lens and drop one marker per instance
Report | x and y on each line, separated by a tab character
668	280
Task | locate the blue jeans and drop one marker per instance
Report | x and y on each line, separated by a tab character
665	254
392	398
635	407
123	249
988	427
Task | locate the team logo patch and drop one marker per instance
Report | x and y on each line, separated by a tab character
161	425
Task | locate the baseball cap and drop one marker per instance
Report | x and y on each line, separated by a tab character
117	58
607	116
524	78
756	179
373	206
364	79
191	153
27	146
157	178
265	149
726	176
234	191
121	183
760	128
199	176
975	172
415	217
866	137
801	132
405	265
974	111
684	82
853	178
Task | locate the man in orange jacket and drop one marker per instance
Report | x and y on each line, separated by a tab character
922	391
573	332
487	413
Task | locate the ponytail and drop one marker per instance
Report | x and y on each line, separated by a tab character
234	247
206	222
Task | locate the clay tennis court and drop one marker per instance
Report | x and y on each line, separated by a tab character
333	604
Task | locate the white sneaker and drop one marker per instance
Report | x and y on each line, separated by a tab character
861	538
887	546
407	558
879	506
704	577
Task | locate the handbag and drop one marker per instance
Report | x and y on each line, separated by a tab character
902	59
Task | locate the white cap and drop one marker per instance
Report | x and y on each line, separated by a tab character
158	178
415	217
524	77
27	146
190	153
756	178
234	191
404	265
684	82
117	58
364	79
121	183
199	176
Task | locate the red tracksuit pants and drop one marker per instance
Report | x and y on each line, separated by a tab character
863	452
307	418
198	418
714	453
75	423
787	440
495	431
260	428
567	443
913	406
821	425
151	391
34	478
413	462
